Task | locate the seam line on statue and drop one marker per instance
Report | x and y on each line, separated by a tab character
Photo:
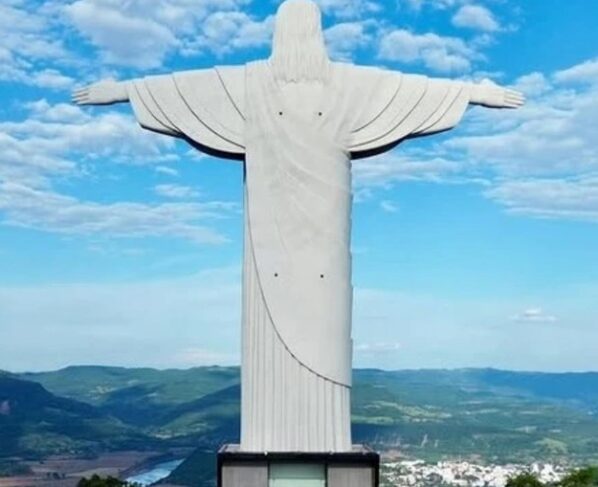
226	137
269	314
228	93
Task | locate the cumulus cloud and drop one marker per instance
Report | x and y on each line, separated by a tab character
142	35
383	171
23	73
565	198
175	191
534	315
435	4
225	32
64	141
443	54
389	206
533	84
166	170
27	32
28	37
540	161
586	72
348	8
544	156
54	136
26	207
124	38
475	17
345	38
51	78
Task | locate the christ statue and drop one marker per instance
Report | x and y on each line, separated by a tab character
297	121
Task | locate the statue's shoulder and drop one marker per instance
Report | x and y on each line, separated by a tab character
257	67
362	71
362	76
230	68
208	72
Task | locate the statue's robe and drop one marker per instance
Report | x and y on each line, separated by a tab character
297	293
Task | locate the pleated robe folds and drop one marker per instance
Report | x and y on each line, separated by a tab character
297	293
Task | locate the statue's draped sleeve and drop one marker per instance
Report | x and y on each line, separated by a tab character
395	106
205	107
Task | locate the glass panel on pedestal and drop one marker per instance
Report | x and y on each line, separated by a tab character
297	475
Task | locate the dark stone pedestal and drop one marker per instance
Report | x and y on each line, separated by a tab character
357	468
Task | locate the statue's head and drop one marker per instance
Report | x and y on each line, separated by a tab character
298	48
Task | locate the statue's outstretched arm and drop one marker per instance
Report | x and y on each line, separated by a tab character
105	92
491	95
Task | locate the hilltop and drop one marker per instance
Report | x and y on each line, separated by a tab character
35	423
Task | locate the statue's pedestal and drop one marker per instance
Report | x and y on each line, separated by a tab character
357	468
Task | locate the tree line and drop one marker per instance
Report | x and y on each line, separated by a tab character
583	477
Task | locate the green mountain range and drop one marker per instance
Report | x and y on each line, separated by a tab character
476	413
36	423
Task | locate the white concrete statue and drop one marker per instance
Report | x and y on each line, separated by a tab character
297	120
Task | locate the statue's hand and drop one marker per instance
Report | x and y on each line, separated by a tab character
491	95
101	93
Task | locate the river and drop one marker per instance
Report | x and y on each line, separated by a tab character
158	472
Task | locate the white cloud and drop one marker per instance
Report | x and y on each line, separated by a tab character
168	171
540	161
378	347
55	136
142	34
572	198
543	157
475	17
27	32
383	171
252	33
21	160
444	54
348	8
386	171
554	144
26	207
175	191
389	206
586	72
533	84
124	39
51	78
435	4
225	32
345	38
28	38
62	141
19	71
534	315
43	111
434	331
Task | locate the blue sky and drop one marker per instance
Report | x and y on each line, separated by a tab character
474	248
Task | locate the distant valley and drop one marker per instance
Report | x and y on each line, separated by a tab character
483	414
